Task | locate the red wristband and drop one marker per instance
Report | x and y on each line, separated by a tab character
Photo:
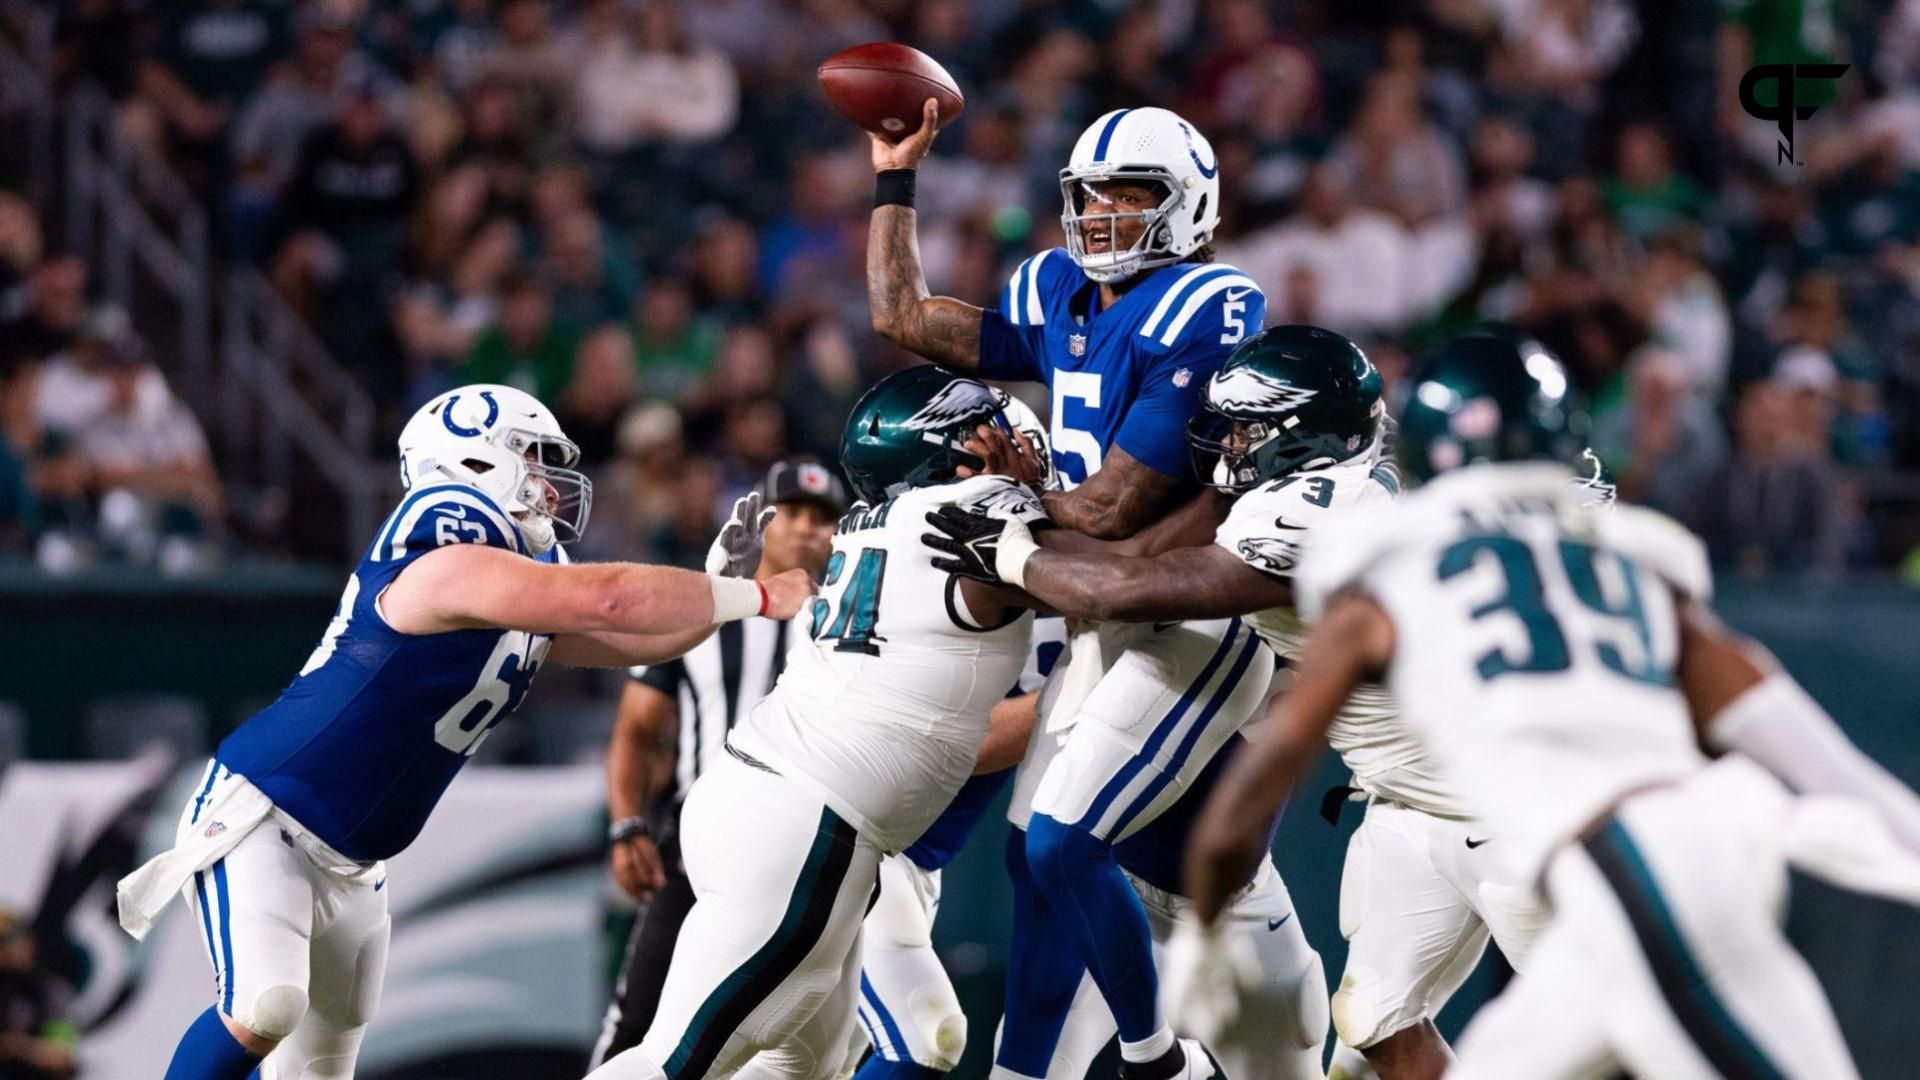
763	597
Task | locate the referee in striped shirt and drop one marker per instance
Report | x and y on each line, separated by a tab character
673	722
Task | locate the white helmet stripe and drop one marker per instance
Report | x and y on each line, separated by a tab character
1200	296
1106	133
1152	325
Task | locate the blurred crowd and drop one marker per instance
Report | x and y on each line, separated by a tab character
644	212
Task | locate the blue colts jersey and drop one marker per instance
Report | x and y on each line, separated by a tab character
1129	376
361	745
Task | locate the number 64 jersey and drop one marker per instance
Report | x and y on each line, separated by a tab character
883	716
1534	641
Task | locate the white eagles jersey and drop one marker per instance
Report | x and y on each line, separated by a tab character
1268	528
1534	641
884	711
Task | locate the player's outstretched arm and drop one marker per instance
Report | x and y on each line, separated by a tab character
940	328
1353	641
1207	582
1125	496
470	586
1742	700
1118	505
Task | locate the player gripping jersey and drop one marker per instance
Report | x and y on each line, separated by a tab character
461	597
862	743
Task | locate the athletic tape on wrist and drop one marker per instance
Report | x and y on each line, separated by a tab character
736	598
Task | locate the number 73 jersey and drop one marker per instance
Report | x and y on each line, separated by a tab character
361	745
1269	528
885	711
1535	641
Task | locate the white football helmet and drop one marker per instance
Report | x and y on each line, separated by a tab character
1151	145
505	443
1024	420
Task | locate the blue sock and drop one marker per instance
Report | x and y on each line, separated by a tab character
1043	972
208	1051
1104	915
879	1068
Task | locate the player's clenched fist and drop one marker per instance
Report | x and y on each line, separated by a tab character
786	592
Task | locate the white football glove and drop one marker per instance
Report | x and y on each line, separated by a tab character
736	551
1201	977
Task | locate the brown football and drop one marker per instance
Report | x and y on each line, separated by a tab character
881	87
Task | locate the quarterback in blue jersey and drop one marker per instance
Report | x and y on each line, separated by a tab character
1125	325
461	597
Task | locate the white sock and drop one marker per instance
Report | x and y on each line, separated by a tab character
1152	1048
1001	1072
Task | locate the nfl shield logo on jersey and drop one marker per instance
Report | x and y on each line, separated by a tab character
1183	377
1076	344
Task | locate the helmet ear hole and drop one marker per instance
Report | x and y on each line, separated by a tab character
1200	207
477	465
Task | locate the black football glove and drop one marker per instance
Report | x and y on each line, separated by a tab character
970	541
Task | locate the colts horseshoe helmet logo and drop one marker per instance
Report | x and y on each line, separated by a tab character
1205	170
493	413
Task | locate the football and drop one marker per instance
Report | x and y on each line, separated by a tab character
881	87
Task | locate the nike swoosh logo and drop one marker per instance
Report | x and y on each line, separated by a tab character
1283	523
1472	843
1275	924
1234	295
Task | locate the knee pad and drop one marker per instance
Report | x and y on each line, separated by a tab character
946	1037
1360	1017
275	1012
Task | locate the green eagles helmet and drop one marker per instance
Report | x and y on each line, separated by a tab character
1288	396
1489	395
908	430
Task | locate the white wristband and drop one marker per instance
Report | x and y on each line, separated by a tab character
1010	562
735	598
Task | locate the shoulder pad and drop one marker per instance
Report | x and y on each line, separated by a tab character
1663	545
450	514
1030	290
1211	304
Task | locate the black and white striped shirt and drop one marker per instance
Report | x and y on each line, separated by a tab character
715	686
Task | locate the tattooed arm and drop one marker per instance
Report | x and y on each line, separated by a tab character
1206	582
939	328
1116	502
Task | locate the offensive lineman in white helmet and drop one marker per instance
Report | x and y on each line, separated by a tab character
1125	325
462	595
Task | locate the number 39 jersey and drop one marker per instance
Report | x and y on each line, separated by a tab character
361	745
883	714
1129	376
1268	528
1534	641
